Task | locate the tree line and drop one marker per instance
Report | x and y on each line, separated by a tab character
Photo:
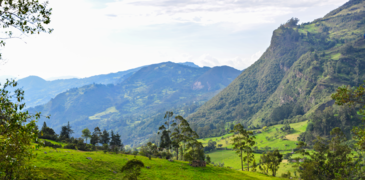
109	141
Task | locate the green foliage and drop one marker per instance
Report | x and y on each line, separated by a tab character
132	169
17	132
105	148
66	131
270	161
208	159
96	136
243	140
104	139
28	17
86	134
47	133
322	122
331	159
116	142
211	146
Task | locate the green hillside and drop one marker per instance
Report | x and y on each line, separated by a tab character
135	107
71	164
274	141
301	68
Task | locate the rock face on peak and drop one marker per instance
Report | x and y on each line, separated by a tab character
301	68
134	107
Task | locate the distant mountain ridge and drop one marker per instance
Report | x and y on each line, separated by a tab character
134	106
39	91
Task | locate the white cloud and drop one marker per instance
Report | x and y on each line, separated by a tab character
119	35
240	13
211	61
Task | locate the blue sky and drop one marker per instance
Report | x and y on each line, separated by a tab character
102	36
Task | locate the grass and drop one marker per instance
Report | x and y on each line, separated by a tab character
54	142
261	141
72	164
336	56
107	111
231	159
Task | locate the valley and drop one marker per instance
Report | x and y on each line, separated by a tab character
297	112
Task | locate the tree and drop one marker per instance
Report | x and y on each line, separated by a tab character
118	141
254	165
330	159
243	140
115	142
86	134
270	161
95	137
208	159
353	96
132	169
69	130
264	128
195	151
211	145
44	127
165	131
148	150
106	148
104	139
112	140
275	159
264	163
25	17
66	131
17	133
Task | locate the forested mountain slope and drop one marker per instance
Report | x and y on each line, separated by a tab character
301	68
39	91
135	107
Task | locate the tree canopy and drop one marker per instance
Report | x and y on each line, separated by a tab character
23	17
17	132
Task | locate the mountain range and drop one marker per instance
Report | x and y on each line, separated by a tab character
134	106
39	91
294	78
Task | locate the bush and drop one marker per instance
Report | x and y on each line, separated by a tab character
49	144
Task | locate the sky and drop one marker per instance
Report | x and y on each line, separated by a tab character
94	37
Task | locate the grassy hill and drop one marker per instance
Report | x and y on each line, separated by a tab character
136	106
71	164
301	68
274	135
231	159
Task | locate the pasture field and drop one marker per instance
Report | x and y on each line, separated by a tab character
72	164
273	133
231	159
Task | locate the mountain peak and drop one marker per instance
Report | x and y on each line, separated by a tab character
191	64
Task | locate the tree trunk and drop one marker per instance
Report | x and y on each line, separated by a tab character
241	161
177	153
248	162
183	152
